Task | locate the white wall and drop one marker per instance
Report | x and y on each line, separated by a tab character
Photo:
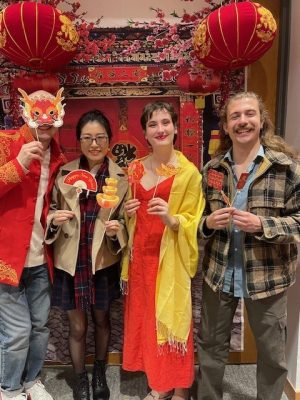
116	13
292	135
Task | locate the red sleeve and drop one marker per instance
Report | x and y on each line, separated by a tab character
11	172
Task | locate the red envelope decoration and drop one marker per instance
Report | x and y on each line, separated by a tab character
215	179
242	180
81	179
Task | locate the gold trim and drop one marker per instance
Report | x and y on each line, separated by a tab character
221	30
26	133
116	92
256	48
14	136
4	152
51	35
2	34
267	27
7	272
9	173
5	147
13	52
67	37
201	41
12	39
254	28
36	28
24	30
55	52
237	28
216	47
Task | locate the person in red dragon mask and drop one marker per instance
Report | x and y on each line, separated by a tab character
29	160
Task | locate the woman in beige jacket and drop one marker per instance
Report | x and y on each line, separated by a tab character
88	241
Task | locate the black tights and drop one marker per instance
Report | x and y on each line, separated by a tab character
78	323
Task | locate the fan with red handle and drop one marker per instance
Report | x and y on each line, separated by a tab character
81	179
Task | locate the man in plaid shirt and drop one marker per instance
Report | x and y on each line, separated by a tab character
251	225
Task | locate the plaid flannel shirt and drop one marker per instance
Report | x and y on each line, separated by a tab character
270	257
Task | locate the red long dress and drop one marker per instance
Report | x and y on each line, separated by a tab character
165	369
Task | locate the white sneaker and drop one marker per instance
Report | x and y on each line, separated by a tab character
21	396
38	392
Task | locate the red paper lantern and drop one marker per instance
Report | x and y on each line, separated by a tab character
37	36
234	35
206	81
32	83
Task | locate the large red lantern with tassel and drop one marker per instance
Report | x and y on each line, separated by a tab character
202	82
234	35
37	36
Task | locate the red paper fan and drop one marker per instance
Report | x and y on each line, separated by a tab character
81	179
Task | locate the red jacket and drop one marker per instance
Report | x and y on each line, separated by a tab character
18	194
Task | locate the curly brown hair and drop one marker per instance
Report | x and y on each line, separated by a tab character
268	137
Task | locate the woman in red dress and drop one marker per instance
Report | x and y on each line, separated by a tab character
163	212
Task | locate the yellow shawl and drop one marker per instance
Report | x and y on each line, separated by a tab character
178	257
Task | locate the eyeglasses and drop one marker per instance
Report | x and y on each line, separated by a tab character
88	140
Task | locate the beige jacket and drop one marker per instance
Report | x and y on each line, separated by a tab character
105	252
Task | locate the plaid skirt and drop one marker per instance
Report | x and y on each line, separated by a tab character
106	283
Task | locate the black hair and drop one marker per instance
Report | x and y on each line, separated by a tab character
90	116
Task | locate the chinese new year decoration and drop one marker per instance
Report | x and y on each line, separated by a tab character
37	81
234	35
37	36
203	82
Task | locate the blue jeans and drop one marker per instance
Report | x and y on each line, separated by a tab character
24	312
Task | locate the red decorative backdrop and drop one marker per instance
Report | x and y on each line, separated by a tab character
128	140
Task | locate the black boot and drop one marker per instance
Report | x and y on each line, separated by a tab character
82	387
99	385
